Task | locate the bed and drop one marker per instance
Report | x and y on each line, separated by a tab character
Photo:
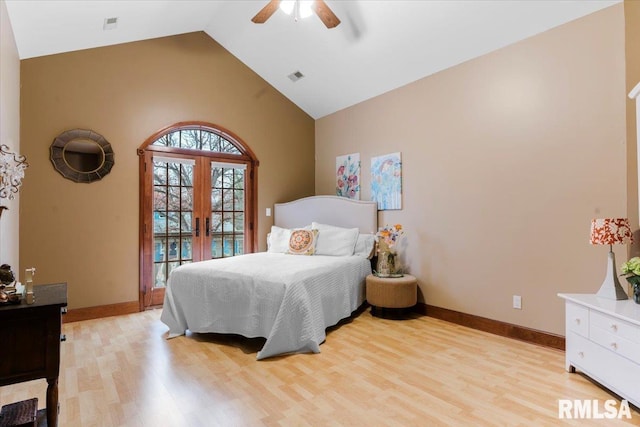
287	299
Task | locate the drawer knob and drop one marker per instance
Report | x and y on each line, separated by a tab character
614	327
577	320
614	345
581	354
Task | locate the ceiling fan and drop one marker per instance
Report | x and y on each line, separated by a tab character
300	9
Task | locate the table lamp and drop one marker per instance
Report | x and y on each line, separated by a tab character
610	231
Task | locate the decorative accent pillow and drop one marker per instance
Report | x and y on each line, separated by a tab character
302	242
365	245
335	241
279	240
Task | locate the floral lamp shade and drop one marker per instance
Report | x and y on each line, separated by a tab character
611	231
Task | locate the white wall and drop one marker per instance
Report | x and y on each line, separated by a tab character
9	133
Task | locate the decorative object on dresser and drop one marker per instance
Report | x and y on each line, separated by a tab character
34	332
603	342
611	231
631	272
12	167
392	297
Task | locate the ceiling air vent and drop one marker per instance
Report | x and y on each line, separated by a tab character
110	23
294	77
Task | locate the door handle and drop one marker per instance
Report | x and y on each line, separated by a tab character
197	227
207	225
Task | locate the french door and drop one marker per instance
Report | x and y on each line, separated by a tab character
194	206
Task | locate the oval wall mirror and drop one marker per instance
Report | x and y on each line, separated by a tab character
82	155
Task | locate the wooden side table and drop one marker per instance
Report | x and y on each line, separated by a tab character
391	297
31	336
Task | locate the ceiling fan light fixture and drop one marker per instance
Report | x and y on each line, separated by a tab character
300	9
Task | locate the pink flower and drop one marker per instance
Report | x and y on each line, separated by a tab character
340	170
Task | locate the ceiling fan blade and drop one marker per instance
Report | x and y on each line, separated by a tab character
326	15
266	12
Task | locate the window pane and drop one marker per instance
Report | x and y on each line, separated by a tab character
186	204
174	173
216	177
239	200
216	200
186	175
187	250
227	245
227	222
227	178
159	249
186	222
173	139
216	222
160	279
173	203
159	198
190	138
239	245
173	222
238	221
216	247
174	245
227	204
238	181
159	173
159	222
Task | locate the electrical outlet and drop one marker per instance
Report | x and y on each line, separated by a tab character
517	302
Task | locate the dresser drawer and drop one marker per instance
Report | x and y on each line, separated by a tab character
618	374
615	326
615	343
577	319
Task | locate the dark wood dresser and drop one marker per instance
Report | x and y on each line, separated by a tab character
30	342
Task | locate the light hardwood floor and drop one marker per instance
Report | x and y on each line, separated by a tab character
121	371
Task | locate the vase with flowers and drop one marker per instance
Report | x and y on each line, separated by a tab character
631	272
387	239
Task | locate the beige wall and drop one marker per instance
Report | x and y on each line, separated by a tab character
506	158
9	135
632	48
87	234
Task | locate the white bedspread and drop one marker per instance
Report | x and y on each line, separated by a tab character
288	299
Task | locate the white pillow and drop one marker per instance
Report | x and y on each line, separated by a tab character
364	245
279	240
335	241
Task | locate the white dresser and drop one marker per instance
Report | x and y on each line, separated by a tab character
603	342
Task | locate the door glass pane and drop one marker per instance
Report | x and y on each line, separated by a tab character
238	200
216	246
227	209
238	221
172	216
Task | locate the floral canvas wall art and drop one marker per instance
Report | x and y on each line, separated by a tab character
348	176
386	181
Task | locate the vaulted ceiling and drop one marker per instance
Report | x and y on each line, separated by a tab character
379	45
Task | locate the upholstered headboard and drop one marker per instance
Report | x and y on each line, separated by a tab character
332	210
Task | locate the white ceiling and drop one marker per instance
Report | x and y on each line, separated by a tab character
379	46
